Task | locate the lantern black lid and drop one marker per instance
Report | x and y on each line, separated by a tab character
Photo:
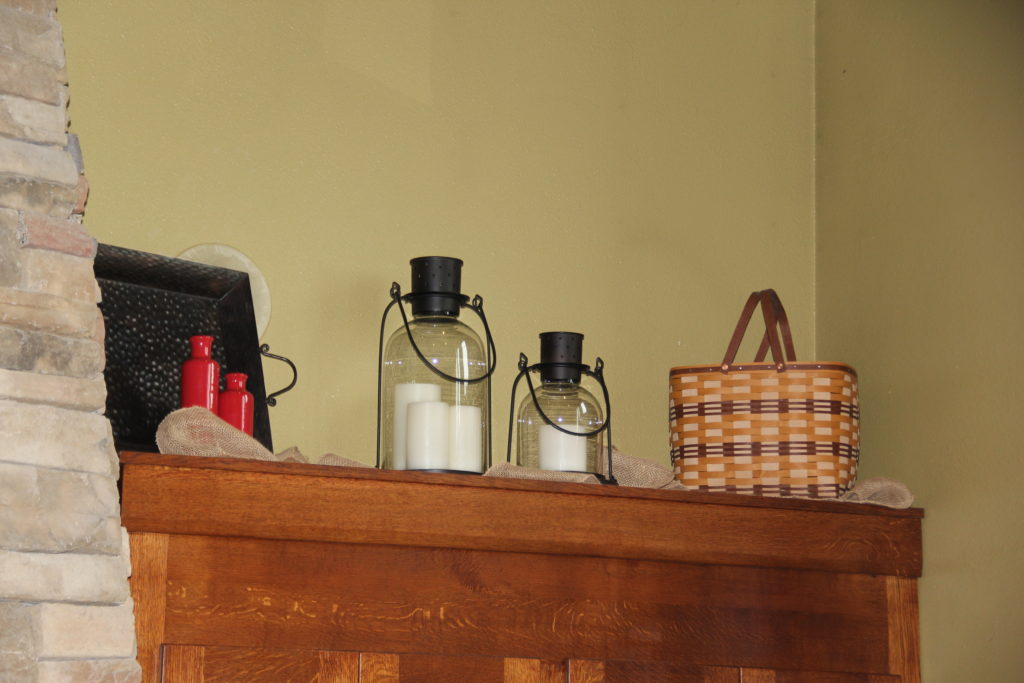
559	352
436	285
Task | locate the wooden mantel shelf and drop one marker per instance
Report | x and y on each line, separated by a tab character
370	561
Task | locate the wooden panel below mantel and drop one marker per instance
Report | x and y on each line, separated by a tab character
243	567
188	495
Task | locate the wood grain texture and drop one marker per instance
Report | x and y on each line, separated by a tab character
247	592
781	676
586	671
183	664
378	668
206	664
148	584
653	672
533	671
284	572
904	634
242	499
339	667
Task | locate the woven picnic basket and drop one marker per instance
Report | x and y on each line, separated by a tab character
781	428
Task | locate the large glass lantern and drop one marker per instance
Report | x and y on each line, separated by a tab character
560	424
433	382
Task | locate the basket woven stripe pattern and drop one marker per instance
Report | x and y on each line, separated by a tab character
766	432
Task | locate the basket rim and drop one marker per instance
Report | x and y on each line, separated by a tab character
746	367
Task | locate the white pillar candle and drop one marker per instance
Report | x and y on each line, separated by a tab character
564	452
426	445
465	439
404	395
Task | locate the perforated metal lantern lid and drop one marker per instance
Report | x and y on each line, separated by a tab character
436	285
559	353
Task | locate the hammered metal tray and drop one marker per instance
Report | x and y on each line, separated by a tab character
151	306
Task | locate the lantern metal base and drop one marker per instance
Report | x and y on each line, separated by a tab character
478	474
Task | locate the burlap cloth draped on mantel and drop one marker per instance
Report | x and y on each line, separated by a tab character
641	473
197	431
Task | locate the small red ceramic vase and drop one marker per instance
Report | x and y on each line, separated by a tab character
236	406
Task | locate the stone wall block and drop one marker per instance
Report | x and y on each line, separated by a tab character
44	162
71	277
63	577
49	354
32	35
45	436
10	239
40	231
81	195
19	636
49	313
18	628
90	671
26	77
65	392
31	194
44	510
33	121
43	8
87	632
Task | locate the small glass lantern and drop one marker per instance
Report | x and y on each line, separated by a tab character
434	377
560	424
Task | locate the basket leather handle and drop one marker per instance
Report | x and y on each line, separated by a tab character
783	326
775	319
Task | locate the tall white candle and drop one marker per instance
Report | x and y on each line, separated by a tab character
465	439
404	395
426	445
565	452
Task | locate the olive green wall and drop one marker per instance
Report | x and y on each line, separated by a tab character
920	245
629	170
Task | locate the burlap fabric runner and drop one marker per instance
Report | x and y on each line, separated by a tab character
197	431
880	491
629	471
641	473
507	470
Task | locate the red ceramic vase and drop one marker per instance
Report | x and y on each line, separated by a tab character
236	406
200	375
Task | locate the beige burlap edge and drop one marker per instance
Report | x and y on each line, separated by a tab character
197	431
641	473
880	491
507	470
340	461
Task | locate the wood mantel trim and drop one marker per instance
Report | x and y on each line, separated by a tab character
220	497
371	473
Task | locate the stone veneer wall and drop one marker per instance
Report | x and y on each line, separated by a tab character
65	610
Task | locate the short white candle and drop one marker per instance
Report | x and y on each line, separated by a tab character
564	452
465	439
404	395
426	445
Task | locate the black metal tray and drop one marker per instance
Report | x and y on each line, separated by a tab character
151	306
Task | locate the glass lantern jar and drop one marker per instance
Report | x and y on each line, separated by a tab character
434	372
570	439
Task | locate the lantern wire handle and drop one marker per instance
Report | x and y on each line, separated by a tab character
396	293
597	373
477	307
